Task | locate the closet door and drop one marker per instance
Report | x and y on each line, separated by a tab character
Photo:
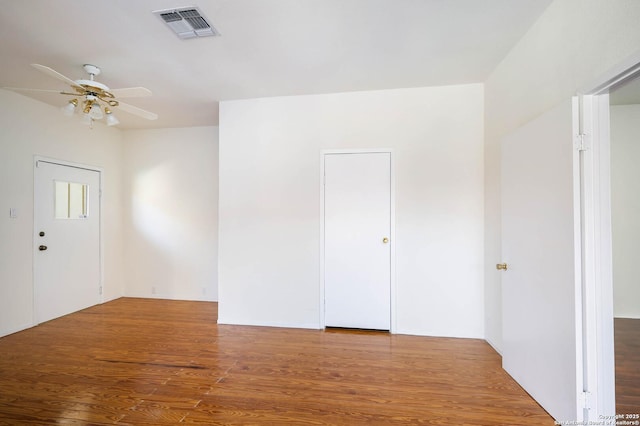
357	226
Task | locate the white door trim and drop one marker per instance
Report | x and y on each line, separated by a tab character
100	170
323	153
598	278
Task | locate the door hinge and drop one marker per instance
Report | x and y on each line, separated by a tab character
587	400
582	142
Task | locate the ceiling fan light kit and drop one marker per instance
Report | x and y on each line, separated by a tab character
111	119
94	93
95	112
70	108
96	98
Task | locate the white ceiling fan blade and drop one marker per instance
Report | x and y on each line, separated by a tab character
137	111
55	74
131	92
24	89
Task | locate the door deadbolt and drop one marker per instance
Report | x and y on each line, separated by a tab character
501	266
42	248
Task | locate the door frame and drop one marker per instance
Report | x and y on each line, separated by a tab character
599	369
58	162
323	154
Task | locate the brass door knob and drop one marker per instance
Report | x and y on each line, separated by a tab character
385	240
501	266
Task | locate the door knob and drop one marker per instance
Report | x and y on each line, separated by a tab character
42	248
501	266
385	240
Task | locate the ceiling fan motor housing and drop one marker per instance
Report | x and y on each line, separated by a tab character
92	84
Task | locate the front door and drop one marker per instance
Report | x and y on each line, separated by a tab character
66	240
357	253
540	245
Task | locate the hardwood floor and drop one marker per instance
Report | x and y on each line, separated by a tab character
152	362
627	348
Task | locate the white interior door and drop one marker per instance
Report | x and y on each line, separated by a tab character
540	242
66	240
357	226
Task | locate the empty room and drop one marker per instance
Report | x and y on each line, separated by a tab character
319	212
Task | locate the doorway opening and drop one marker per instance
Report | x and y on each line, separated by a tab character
624	115
609	164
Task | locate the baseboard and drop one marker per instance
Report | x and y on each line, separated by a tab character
170	297
9	331
494	346
229	321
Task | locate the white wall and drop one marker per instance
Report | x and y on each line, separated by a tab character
33	128
569	46
625	209
171	214
269	243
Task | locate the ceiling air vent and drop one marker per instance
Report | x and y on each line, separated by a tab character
187	22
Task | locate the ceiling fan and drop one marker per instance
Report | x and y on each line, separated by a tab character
94	98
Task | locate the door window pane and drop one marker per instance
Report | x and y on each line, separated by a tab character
71	200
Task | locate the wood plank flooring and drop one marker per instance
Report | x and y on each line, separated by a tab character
154	362
627	350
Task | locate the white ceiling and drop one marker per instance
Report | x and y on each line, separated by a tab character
267	48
